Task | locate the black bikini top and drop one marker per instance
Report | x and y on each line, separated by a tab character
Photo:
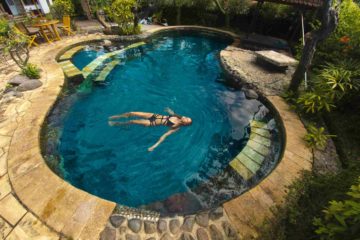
166	119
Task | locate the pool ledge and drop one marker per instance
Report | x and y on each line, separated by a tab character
248	211
64	209
68	211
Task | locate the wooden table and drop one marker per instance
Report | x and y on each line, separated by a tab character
47	25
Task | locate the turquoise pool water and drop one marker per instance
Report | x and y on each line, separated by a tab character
179	71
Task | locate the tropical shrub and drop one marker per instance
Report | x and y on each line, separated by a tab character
316	137
31	71
306	199
14	43
61	8
315	101
237	6
121	12
338	78
273	10
4	27
342	77
331	84
344	42
341	219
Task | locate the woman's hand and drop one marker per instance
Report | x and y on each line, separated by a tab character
169	111
162	138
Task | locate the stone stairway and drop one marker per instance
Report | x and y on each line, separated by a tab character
249	160
70	53
92	66
106	71
71	71
97	70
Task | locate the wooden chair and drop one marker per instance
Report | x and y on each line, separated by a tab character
32	34
66	26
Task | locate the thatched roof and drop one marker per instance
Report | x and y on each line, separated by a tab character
305	3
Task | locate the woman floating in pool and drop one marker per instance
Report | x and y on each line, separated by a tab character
173	121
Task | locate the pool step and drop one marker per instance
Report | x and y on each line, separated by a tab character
250	159
70	53
106	71
71	71
99	60
258	124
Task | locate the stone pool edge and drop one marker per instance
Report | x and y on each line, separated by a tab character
34	201
63	208
248	211
73	212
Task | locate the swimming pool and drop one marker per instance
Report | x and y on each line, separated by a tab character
192	169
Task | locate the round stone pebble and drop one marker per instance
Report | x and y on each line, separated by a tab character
149	227
215	233
174	226
202	234
229	231
134	225
202	219
188	224
132	237
108	234
216	213
117	220
18	79
162	226
29	85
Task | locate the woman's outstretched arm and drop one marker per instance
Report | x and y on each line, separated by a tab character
169	111
162	138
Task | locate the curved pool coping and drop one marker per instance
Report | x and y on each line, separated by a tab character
80	215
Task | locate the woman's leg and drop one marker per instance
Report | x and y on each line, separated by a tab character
143	122
132	114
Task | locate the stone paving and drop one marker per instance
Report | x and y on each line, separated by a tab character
206	225
30	206
242	64
37	204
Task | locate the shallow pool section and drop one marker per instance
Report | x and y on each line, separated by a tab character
190	170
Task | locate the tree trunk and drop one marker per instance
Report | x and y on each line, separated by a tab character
178	16
224	10
136	21
135	11
255	17
328	25
227	20
17	54
86	8
305	61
